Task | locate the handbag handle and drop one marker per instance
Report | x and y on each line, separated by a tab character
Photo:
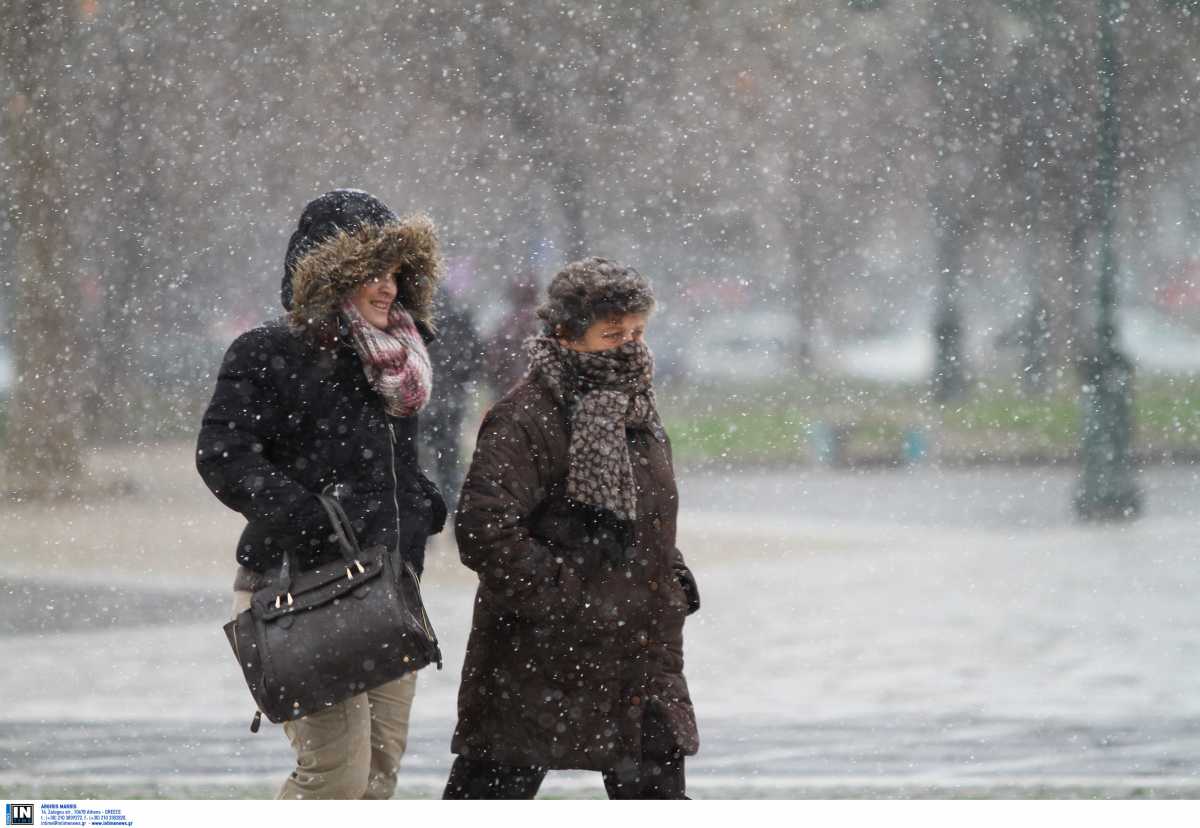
342	528
344	531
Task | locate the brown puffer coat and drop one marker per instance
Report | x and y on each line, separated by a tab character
568	652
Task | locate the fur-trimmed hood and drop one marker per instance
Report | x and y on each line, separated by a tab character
325	275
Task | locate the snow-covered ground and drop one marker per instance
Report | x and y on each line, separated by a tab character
890	633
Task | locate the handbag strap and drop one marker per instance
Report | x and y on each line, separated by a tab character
342	529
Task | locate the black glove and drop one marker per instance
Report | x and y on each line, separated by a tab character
688	581
609	544
437	505
605	535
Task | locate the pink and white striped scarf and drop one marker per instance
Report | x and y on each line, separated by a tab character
395	361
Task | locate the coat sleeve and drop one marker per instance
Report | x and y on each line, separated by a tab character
682	571
231	453
502	490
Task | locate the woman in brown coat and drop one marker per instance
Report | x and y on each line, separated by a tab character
575	658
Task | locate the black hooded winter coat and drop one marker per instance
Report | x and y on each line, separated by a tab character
293	413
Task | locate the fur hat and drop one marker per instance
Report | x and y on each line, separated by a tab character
344	239
592	290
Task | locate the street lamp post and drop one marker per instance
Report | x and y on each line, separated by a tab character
1108	489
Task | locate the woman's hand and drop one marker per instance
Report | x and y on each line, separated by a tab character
686	580
437	505
608	544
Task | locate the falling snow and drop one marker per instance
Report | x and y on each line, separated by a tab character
927	346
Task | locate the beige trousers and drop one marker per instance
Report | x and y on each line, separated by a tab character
351	750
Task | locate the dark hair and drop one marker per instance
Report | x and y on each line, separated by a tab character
590	291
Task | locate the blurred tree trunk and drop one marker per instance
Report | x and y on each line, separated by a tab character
1192	197
952	62
812	261
949	381
1050	160
42	451
1029	94
572	198
116	404
806	273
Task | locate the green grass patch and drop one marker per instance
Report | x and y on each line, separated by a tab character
1168	413
1050	421
742	435
791	420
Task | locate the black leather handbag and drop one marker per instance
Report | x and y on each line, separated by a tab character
314	638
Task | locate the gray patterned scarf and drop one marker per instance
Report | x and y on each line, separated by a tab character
603	392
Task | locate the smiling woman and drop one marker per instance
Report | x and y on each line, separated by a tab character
374	300
326	401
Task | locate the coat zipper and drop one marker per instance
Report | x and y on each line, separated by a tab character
395	483
424	619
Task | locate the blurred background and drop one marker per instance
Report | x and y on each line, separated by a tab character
928	348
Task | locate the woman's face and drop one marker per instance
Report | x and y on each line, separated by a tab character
610	333
374	299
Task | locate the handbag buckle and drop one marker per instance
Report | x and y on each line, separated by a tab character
350	574
279	600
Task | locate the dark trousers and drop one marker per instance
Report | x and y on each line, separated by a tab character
656	777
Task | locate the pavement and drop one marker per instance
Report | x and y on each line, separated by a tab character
898	633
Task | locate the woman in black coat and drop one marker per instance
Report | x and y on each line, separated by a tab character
326	400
